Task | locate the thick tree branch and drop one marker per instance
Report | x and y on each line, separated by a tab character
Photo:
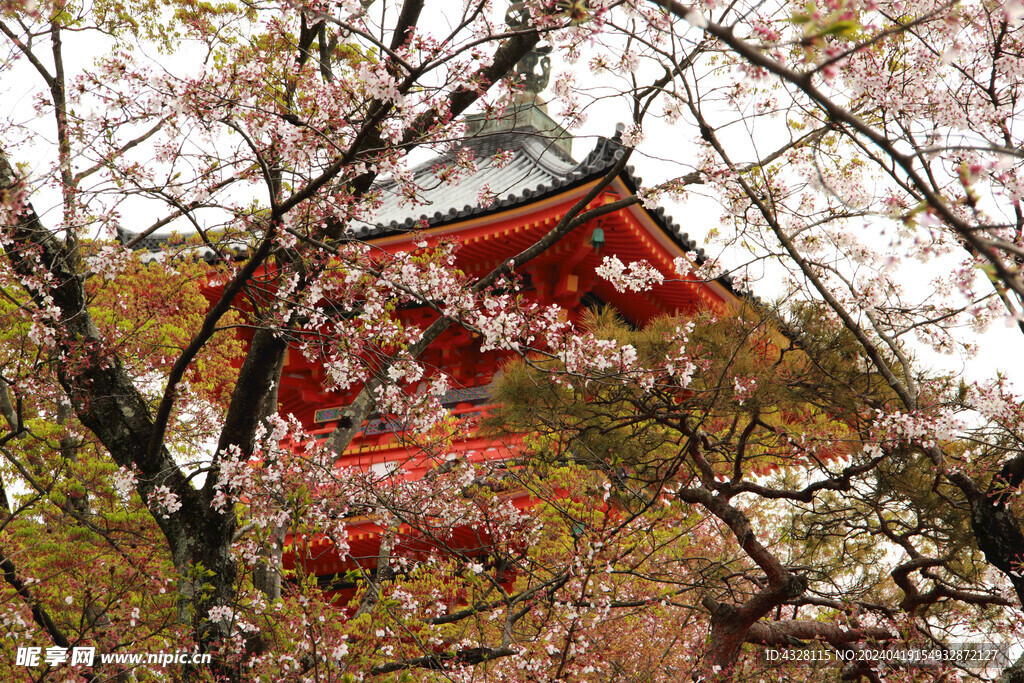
792	632
441	662
361	407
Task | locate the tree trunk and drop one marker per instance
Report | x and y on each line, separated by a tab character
107	402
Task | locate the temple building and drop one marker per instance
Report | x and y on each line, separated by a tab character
524	162
534	189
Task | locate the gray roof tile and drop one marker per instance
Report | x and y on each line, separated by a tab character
538	167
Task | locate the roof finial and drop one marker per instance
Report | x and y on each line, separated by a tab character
534	69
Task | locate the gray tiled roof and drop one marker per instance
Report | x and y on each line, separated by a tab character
157	242
150	243
540	166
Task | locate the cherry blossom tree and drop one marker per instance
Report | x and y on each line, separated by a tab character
788	477
314	131
917	101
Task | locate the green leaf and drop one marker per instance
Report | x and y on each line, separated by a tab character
846	28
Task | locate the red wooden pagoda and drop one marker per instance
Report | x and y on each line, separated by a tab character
535	189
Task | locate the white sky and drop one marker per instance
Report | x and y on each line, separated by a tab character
996	347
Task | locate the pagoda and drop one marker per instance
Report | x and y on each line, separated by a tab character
536	183
524	161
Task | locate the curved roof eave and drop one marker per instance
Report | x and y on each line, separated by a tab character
593	168
558	176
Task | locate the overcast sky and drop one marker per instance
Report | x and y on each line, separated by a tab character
663	155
